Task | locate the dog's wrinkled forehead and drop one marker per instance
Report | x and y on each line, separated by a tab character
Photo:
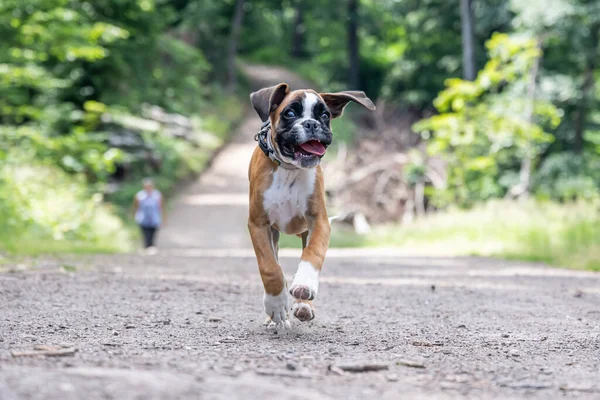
305	103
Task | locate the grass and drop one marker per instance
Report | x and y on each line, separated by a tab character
104	233
566	235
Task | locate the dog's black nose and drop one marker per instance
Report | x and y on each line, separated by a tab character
310	125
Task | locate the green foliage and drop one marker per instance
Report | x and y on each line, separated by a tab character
167	72
43	42
42	203
64	66
79	152
567	176
407	48
483	129
570	32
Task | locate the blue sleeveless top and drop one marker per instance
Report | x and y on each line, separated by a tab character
149	212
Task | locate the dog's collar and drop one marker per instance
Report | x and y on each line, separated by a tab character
262	137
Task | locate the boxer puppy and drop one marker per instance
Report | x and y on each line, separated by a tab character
287	191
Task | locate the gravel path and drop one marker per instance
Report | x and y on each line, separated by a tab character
186	324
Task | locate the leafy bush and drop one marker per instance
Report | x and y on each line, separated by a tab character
65	65
483	130
568	176
41	204
171	74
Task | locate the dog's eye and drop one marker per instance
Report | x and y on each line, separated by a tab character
325	116
290	114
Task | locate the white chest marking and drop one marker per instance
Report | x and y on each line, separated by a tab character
288	195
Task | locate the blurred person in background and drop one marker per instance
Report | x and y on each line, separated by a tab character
148	207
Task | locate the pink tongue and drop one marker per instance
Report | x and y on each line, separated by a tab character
313	147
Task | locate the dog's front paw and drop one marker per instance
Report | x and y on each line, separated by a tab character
277	308
306	282
303	310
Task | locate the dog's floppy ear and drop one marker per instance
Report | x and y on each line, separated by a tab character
268	99
336	102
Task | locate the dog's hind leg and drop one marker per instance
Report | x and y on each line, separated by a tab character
304	237
275	242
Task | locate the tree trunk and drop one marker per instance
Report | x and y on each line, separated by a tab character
522	188
468	39
587	88
353	45
298	37
236	27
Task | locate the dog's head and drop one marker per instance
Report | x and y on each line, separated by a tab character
301	120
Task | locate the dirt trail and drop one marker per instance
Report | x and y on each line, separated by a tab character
185	324
219	199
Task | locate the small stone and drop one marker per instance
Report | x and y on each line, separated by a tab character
290	366
462	326
505	335
115	333
129	326
215	319
392	377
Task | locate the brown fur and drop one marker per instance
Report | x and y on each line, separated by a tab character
314	225
261	176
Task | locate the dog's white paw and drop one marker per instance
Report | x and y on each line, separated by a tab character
303	310
306	282
277	308
272	325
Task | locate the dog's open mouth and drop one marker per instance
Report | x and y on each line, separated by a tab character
311	148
